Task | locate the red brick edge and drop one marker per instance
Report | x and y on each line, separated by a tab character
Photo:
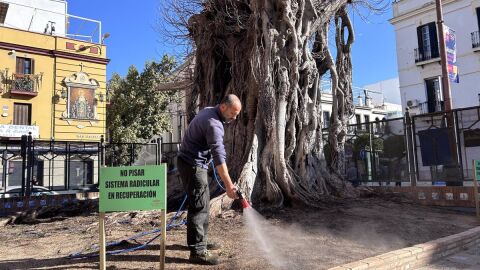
418	255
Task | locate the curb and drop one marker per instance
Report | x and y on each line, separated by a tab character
418	255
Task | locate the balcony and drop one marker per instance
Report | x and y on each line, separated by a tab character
423	57
475	40
25	84
425	107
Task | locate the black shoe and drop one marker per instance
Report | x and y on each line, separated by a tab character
214	246
203	257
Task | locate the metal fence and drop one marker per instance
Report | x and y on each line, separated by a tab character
29	166
437	147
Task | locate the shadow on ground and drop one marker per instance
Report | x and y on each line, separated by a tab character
92	263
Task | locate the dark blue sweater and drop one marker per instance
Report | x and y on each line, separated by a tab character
204	139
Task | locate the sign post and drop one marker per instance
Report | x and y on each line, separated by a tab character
101	230
476	176
163	240
133	188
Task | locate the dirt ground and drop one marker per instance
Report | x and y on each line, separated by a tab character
315	238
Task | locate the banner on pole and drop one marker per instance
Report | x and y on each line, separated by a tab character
451	48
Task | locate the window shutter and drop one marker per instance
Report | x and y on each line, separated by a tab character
32	66
20	65
420	41
478	17
21	114
432	28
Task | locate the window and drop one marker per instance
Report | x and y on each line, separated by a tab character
22	114
475	35
427	42
81	173
358	120
326	119
37	177
427	49
3	12
434	95
14	177
367	121
24	65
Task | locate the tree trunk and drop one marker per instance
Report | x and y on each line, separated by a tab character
259	50
342	107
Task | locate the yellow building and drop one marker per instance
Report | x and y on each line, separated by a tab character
51	85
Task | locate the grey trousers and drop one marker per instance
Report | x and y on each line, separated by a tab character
195	183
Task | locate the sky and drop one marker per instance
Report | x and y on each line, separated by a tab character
135	39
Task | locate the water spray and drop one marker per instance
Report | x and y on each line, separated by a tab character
244	201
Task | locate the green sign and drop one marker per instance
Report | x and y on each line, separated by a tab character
133	188
477	169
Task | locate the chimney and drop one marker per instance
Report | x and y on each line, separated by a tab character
368	101
360	101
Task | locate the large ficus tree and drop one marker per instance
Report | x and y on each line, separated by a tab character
273	54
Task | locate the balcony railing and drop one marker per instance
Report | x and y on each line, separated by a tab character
425	107
475	39
425	55
25	84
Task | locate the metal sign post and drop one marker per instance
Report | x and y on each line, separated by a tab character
163	240
101	230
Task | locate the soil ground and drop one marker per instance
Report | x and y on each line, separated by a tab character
318	238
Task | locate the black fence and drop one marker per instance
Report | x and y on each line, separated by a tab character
30	167
437	147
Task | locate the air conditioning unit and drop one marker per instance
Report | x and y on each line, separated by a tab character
412	103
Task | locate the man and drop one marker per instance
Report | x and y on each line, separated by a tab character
203	140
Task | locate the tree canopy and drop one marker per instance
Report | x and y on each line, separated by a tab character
137	109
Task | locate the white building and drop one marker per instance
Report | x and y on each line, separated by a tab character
418	53
386	90
370	102
366	110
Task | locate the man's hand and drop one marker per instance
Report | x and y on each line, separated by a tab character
232	192
229	186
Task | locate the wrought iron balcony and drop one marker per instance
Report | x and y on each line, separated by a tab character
475	39
425	55
425	107
25	84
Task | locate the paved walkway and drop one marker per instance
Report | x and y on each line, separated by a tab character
465	260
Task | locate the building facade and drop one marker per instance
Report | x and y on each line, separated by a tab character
52	85
418	55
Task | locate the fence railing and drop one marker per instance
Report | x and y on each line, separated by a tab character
434	148
437	148
425	55
29	165
24	84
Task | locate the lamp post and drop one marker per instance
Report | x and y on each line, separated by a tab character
443	59
452	136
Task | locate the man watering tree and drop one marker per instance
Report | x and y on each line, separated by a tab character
203	141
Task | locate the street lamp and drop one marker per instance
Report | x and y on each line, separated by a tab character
99	46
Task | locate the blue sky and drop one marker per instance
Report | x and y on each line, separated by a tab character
134	38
